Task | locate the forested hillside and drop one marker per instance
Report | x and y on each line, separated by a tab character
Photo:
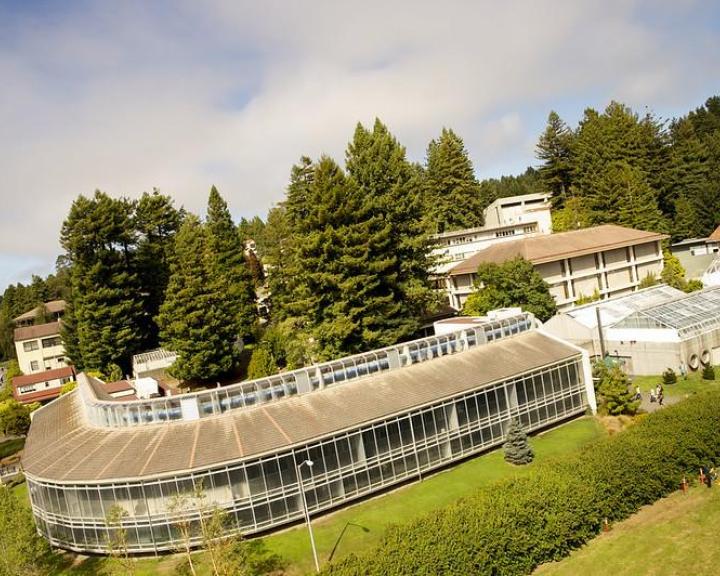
347	249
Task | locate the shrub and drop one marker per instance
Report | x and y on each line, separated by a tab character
708	372
669	377
517	449
514	525
616	394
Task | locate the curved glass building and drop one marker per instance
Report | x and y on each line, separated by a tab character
366	422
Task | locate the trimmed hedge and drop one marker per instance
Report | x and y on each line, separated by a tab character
514	525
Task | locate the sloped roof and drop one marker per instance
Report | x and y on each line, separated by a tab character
715	236
551	247
52	307
62	446
37	331
45	376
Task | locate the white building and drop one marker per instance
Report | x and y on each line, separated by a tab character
39	348
649	331
41	386
505	219
603	261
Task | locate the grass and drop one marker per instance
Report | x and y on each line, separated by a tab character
362	525
677	535
683	387
10	447
367	521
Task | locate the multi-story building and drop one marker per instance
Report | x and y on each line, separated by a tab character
39	347
505	219
320	436
601	262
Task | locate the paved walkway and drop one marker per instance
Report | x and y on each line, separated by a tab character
648	406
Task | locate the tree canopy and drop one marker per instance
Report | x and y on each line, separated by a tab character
513	283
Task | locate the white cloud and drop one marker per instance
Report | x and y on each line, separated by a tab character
182	96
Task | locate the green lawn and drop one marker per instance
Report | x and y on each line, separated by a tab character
677	535
683	387
10	447
367	520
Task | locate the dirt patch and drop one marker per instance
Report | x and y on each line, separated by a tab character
615	424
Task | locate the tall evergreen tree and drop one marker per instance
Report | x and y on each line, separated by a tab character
452	193
195	319
390	185
340	276
229	248
156	221
617	135
623	196
554	149
107	315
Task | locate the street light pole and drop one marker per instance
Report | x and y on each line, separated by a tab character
307	512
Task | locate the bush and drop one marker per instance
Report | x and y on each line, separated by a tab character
669	377
517	449
516	524
708	372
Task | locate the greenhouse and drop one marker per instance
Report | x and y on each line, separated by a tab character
362	435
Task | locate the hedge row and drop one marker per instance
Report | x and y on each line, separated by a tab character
514	525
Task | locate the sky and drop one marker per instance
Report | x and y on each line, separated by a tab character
177	95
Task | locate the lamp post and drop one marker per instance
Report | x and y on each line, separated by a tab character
309	464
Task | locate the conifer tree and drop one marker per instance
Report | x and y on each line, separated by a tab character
156	221
390	185
614	138
452	193
230	252
107	315
339	277
195	319
623	196
554	149
517	448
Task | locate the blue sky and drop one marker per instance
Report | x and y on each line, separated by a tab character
179	95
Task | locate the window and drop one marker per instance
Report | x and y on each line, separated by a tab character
50	342
34	365
30	345
26	389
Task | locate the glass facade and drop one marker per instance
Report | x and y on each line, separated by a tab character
124	413
263	493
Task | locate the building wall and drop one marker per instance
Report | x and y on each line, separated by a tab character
40	354
54	384
264	493
608	272
505	219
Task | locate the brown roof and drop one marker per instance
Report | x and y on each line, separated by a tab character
46	376
715	236
119	386
551	247
39	396
38	331
62	446
52	307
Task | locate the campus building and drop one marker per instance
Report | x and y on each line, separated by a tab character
505	219
366	422
601	262
648	331
41	386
